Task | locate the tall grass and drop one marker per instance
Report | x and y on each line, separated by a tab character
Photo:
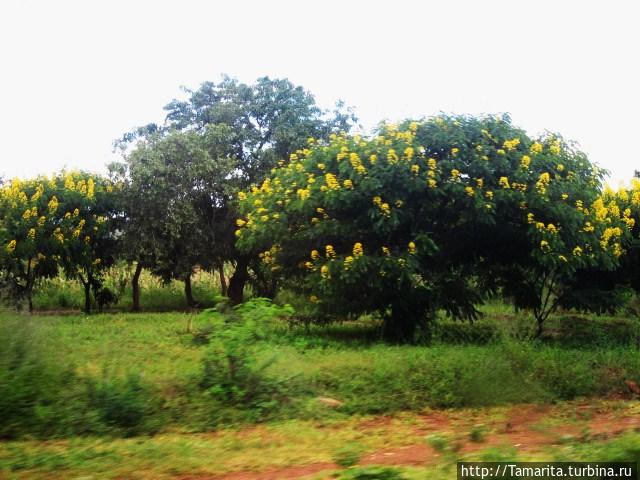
61	294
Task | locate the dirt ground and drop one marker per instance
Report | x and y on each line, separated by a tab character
525	428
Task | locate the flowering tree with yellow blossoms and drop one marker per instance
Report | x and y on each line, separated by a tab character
430	216
605	290
60	222
84	234
26	236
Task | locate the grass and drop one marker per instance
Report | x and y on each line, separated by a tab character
273	447
59	294
80	394
369	377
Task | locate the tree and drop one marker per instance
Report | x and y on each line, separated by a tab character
428	216
86	241
176	189
59	222
251	126
27	224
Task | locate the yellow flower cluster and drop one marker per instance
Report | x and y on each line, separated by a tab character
555	147
347	262
383	206
303	193
330	252
511	144
58	235
536	147
331	181
543	183
324	272
392	156
356	163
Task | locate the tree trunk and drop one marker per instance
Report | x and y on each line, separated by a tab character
539	327
223	281
188	293
87	297
135	285
235	291
400	326
29	288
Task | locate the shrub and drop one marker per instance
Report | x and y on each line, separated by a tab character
123	405
232	373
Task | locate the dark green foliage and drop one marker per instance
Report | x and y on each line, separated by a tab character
123	405
222	138
105	297
428	216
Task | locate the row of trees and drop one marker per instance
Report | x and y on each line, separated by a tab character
421	217
171	204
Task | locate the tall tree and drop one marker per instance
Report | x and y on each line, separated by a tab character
250	127
175	190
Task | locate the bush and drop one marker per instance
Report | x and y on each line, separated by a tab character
123	405
232	373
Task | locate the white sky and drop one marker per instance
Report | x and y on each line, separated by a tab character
74	75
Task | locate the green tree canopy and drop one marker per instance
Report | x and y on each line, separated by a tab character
427	216
220	139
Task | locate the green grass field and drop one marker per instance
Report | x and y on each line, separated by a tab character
159	395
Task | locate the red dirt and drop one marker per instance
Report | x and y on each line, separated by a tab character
283	473
521	430
414	455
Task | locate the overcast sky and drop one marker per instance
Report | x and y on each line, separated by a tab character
76	75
